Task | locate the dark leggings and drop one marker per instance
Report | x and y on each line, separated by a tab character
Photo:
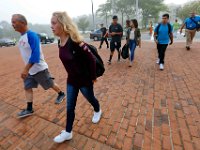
102	40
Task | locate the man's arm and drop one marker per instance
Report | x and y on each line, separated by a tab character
155	37
171	38
34	43
183	25
24	74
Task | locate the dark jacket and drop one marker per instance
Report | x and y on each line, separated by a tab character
137	35
80	64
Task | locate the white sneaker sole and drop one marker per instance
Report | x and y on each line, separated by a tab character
68	139
24	116
62	141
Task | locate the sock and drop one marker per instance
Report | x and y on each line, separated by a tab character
30	106
110	58
118	56
60	93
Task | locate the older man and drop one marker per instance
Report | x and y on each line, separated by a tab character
35	71
192	24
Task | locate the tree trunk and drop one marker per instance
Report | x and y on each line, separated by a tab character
106	20
122	19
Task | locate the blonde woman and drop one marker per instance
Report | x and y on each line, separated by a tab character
80	66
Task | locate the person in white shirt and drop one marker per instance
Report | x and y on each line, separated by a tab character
36	69
133	39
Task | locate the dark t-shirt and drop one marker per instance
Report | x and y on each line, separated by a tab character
116	28
103	30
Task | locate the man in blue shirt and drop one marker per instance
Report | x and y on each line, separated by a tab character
163	36
191	24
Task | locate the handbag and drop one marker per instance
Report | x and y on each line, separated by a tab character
125	51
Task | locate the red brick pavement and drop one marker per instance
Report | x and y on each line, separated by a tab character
143	108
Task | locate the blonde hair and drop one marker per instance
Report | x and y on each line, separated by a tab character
69	26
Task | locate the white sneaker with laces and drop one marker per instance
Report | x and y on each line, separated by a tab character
158	61
63	136
161	66
97	116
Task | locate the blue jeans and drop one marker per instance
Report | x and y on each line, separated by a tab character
132	44
72	94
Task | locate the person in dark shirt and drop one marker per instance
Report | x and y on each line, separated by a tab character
75	56
104	36
116	32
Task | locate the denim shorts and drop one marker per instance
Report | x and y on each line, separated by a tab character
42	78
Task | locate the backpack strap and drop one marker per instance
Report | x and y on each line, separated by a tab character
158	27
193	20
197	23
169	28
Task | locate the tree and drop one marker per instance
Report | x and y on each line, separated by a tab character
104	11
123	6
184	11
83	23
151	8
126	8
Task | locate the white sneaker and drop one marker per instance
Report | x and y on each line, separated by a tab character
97	116
109	62
130	64
158	61
161	66
63	136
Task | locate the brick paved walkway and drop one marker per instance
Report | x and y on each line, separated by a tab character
143	108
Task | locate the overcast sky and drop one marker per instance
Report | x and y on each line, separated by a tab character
39	11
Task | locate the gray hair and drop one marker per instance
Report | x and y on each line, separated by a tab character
21	18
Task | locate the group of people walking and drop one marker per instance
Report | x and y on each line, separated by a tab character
36	70
133	38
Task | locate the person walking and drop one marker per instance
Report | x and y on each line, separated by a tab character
162	37
36	70
104	36
151	28
116	32
176	27
133	39
191	25
75	56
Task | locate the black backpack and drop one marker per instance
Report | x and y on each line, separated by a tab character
125	51
100	69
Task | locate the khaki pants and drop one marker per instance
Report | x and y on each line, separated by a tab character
189	36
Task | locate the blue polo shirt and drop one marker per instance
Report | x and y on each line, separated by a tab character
163	33
191	25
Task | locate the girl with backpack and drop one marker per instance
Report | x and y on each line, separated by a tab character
133	39
76	57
